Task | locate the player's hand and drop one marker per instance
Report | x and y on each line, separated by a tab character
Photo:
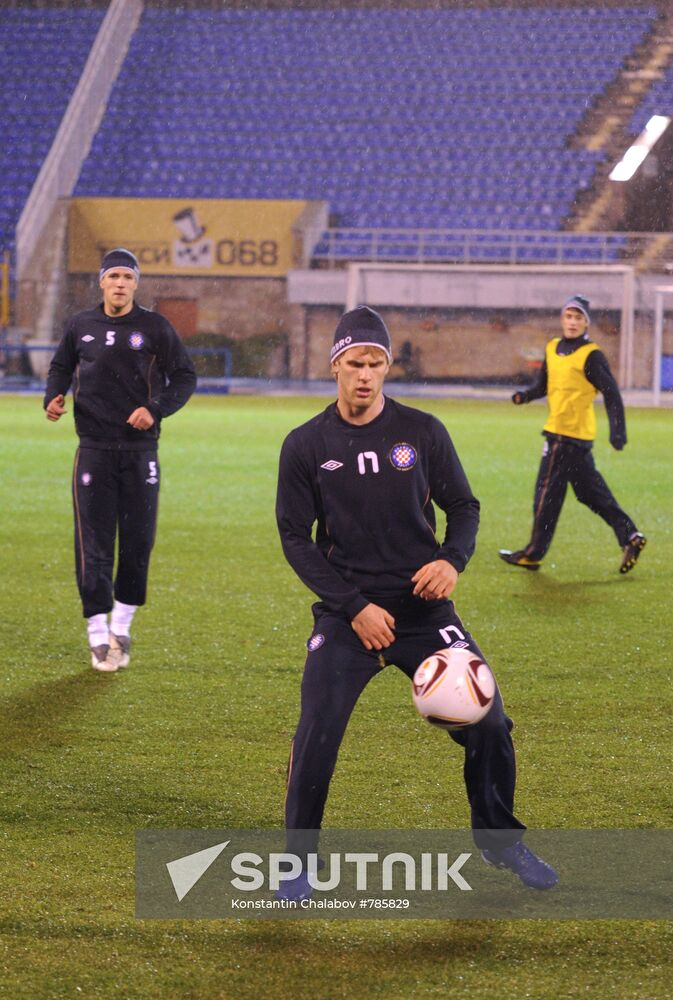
435	580
56	408
141	419
617	443
518	398
374	627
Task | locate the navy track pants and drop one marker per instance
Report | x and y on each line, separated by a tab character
338	667
563	463
116	500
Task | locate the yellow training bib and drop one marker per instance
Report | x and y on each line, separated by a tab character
570	394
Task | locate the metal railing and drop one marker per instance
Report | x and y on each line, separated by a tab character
333	247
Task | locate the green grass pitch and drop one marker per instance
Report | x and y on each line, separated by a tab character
196	733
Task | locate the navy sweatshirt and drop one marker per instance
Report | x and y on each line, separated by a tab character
371	489
116	365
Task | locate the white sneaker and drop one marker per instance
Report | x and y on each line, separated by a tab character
119	650
100	660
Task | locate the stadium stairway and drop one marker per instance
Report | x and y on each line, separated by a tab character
656	250
617	117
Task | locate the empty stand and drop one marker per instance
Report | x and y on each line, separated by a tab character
420	118
397	118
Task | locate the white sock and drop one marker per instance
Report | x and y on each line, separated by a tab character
97	628
121	618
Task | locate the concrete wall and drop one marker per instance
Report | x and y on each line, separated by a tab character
467	323
490	334
234	307
472	286
470	345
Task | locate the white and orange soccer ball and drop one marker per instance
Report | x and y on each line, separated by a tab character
453	688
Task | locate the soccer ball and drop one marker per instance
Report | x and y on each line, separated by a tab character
453	688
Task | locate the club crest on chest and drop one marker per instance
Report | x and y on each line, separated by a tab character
403	456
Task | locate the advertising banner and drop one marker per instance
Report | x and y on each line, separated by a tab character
169	236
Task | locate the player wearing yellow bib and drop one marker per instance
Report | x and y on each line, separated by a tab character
573	372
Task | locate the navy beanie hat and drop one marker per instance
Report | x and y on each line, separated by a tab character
361	327
581	303
119	258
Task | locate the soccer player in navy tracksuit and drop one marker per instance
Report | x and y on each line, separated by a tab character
574	370
367	470
129	369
